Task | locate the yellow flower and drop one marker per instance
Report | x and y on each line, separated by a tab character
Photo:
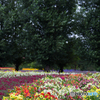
97	96
4	98
41	96
92	90
12	96
84	96
37	99
98	91
20	97
42	92
94	87
36	94
68	86
88	91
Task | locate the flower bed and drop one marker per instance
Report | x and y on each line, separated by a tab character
51	86
7	68
8	79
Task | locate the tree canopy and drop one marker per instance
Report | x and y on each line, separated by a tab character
40	31
51	24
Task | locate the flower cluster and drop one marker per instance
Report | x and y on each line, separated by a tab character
57	87
46	96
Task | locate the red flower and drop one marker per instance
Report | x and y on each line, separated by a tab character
26	91
56	98
49	93
17	88
35	88
52	96
42	94
46	96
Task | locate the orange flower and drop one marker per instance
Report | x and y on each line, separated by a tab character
72	81
17	88
71	97
56	98
36	80
77	75
28	94
44	88
48	97
26	91
18	92
42	94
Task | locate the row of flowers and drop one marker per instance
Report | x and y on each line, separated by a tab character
20	73
56	87
9	79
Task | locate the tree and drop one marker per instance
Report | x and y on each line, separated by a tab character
3	43
3	60
49	29
93	32
88	26
45	34
11	28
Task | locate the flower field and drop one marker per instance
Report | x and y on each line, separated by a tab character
48	86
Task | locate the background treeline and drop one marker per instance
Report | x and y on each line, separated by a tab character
39	32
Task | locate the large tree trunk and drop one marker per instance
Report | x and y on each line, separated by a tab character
17	67
61	68
47	69
75	67
18	63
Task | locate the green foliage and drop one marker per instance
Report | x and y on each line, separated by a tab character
48	32
38	30
9	65
3	55
92	29
50	77
35	65
11	28
23	65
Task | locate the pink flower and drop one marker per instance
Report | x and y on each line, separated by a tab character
76	86
62	78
